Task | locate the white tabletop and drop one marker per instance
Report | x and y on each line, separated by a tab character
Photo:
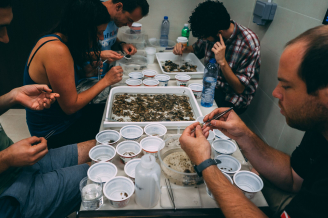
206	201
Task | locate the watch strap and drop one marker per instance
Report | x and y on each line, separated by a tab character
206	163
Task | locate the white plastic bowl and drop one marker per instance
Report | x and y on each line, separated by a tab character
248	182
155	129
136	75
196	89
151	82
130	168
163	79
228	165
133	82
102	172
182	79
131	132
149	73
128	150
223	146
108	137
151	145
102	153
119	191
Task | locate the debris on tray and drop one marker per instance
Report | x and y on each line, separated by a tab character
153	107
171	67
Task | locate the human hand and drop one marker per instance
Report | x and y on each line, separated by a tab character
110	55
195	144
229	124
35	97
26	152
92	70
114	75
219	49
178	49
129	49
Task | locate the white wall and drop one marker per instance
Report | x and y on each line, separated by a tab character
292	18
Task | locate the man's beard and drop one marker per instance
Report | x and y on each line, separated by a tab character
308	116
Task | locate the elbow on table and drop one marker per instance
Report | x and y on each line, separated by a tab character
69	110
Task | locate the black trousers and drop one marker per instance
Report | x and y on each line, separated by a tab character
219	98
84	129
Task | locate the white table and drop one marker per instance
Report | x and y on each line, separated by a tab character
206	201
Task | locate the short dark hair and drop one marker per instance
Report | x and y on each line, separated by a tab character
79	23
313	69
208	19
5	4
131	5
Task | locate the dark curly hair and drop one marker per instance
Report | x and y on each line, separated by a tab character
208	19
79	23
131	5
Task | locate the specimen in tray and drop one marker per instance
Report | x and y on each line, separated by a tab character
171	67
153	107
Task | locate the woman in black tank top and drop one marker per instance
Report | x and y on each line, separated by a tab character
54	61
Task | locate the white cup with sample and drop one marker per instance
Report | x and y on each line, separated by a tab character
150	51
182	40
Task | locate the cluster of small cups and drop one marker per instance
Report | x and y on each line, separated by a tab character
151	79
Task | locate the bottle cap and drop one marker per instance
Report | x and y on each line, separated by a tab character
186	25
148	161
166	17
213	61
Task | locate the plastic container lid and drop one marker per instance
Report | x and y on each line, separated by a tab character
136	24
166	17
182	77
186	25
183	39
213	61
162	77
148	161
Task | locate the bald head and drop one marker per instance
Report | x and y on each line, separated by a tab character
313	67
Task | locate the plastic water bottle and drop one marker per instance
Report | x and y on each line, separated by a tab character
209	83
185	32
147	182
165	29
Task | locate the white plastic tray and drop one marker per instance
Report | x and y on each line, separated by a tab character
151	90
191	58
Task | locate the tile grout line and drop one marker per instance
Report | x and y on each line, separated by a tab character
280	136
261	135
299	13
269	97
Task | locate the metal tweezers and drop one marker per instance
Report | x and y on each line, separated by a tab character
170	191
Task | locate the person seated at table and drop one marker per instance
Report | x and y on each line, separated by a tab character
35	182
235	48
54	61
302	93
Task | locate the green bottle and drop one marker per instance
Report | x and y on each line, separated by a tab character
185	32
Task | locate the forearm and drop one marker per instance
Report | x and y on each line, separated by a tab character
230	199
274	165
4	161
7	101
188	49
231	78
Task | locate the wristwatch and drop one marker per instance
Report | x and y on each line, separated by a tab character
206	163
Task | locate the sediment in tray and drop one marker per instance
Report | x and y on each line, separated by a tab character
171	67
153	107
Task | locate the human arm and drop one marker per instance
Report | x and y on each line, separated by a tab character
23	153
230	199
219	49
179	49
274	165
62	79
35	97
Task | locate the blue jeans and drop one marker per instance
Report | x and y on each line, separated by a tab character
49	188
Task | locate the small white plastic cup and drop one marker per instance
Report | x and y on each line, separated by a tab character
119	191
210	193
182	40
155	129
223	146
102	172
228	165
248	182
197	89
150	51
182	79
163	79
136	75
220	134
131	132
210	137
108	137
130	168
151	82
149	74
133	82
128	150
151	145
200	119
135	28
102	153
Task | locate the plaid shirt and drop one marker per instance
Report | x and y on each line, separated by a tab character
243	57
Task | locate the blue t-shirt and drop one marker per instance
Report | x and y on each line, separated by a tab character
110	35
